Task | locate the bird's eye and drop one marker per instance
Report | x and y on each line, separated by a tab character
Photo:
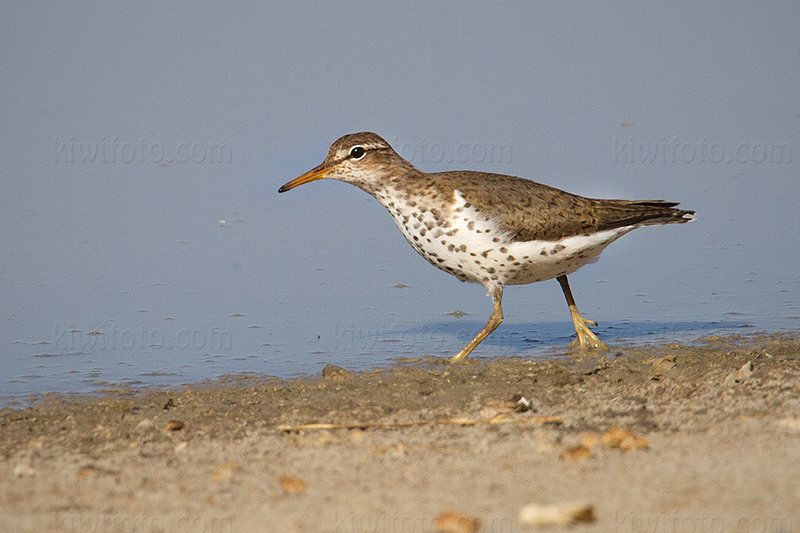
357	152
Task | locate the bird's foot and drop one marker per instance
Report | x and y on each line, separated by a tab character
457	358
586	340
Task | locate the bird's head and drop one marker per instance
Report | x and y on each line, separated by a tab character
363	159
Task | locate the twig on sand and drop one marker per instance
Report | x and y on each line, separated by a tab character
500	419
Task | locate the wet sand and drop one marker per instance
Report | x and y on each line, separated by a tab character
710	441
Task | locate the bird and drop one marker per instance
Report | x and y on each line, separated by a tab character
492	229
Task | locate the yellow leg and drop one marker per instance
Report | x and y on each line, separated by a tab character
495	320
586	340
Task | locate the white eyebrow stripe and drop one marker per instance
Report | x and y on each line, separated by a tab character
370	146
343	154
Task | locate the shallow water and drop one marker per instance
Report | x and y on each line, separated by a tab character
144	242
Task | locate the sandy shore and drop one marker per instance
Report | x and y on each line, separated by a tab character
709	441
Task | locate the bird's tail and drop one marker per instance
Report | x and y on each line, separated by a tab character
647	213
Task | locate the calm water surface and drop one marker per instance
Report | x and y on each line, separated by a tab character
143	242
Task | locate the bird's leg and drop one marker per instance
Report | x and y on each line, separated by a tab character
586	338
491	325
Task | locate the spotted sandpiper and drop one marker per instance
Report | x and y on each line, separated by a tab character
490	229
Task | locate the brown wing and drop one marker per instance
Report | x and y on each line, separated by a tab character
532	211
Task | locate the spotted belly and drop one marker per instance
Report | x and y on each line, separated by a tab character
469	245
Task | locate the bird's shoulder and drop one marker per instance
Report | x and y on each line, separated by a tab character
524	209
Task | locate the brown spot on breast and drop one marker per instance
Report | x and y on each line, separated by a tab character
503	250
543	252
471	225
463	247
485	253
511	258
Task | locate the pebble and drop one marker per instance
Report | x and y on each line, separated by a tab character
455	522
556	515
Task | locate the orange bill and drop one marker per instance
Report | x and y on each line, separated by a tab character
316	173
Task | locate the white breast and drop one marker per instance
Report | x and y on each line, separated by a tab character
469	245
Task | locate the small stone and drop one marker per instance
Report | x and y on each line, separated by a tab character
174	425
556	515
336	373
522	405
624	439
455	522
292	485
576	453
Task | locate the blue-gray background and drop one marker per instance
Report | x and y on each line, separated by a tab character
142	239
